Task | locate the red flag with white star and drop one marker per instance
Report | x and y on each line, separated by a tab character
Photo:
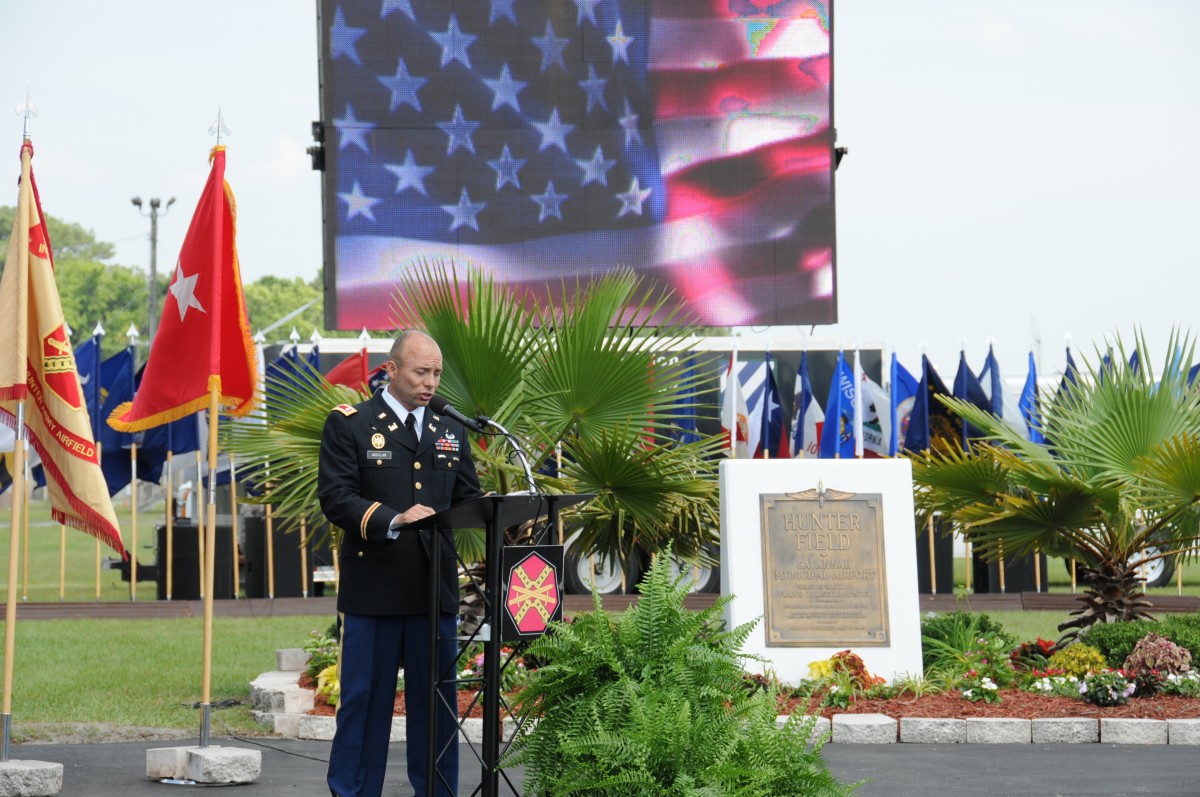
204	334
37	367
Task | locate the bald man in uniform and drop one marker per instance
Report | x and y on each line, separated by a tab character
385	463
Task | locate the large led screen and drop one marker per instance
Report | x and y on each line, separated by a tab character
549	140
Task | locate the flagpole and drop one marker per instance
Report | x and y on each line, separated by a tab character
270	523
233	525
303	556
210	544
25	535
62	561
170	576
14	552
132	335
199	521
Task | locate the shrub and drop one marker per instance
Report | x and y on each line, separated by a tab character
1115	641
947	639
328	685
1032	655
653	703
1108	688
1153	658
1186	685
322	650
1078	660
1183	630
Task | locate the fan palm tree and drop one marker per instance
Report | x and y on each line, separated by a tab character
1119	473
590	388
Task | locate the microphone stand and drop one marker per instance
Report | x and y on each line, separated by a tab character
520	452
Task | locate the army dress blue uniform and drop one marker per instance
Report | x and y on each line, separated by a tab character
371	471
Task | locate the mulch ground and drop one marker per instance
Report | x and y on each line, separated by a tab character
1013	704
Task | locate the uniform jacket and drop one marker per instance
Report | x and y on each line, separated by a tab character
369	473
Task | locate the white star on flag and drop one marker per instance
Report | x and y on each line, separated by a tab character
184	290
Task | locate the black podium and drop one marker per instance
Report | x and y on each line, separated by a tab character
492	513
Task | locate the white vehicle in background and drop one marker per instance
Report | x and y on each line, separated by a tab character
610	577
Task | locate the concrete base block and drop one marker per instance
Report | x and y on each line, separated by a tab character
291	659
278	692
1133	731
166	762
286	725
1065	730
216	765
864	729
316	728
1183	731
998	730
223	765
30	778
924	730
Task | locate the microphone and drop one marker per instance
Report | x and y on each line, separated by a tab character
441	406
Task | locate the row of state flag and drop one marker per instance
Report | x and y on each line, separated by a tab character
860	417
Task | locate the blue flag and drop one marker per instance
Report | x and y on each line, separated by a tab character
903	388
967	388
87	363
1070	375
771	428
1192	373
930	419
1029	404
1135	361
281	373
117	376
685	428
837	437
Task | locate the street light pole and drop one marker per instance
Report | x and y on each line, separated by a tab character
155	204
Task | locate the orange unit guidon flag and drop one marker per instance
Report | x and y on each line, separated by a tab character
37	365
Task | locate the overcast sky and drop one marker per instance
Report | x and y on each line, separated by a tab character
1017	170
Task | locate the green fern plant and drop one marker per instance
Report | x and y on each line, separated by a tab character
652	704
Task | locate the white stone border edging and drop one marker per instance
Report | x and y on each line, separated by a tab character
279	702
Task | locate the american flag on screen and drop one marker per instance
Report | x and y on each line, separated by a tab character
550	139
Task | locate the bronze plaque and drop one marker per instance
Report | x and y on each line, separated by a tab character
824	575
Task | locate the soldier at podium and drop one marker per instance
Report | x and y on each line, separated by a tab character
385	463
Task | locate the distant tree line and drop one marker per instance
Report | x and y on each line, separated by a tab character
94	291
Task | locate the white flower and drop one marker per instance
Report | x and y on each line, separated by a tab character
967	693
988	683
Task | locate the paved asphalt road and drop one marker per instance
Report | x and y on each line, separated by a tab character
909	770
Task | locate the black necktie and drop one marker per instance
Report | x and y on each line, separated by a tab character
410	423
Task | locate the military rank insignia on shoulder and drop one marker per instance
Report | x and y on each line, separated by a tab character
344	409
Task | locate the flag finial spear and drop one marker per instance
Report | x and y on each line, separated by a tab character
364	336
132	333
26	108
99	330
315	337
295	336
218	128
259	338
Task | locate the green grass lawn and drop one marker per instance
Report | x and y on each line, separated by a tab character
144	673
1058	578
42	561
